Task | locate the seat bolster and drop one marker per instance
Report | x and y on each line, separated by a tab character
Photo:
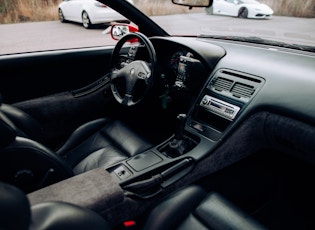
194	208
170	212
23	145
15	211
218	213
29	165
81	134
7	130
60	215
26	125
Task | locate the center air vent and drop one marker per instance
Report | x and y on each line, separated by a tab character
235	84
242	90
222	84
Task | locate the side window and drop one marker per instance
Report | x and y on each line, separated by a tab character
24	24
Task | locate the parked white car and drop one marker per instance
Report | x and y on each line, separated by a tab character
88	12
240	8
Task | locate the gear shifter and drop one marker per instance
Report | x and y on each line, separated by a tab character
178	145
181	143
180	125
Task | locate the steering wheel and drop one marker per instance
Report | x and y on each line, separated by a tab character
132	82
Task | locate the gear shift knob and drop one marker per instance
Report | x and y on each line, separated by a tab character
180	125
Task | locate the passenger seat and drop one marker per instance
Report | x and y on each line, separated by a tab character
194	208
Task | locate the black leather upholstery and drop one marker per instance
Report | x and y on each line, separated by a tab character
7	130
101	143
26	126
194	208
16	213
27	163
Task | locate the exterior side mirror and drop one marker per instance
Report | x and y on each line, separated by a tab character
119	30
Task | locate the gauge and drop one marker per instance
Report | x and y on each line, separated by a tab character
175	59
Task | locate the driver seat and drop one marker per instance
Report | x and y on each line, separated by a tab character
30	165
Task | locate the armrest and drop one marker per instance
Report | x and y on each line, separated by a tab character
95	189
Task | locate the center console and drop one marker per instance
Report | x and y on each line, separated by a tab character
222	101
219	105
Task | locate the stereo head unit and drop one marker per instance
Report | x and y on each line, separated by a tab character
226	95
219	107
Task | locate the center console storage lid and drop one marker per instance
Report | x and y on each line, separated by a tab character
95	189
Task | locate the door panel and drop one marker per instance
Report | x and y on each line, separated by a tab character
60	89
46	73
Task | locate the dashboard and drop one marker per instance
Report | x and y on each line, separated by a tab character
223	84
220	84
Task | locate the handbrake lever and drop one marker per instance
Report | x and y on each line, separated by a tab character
152	186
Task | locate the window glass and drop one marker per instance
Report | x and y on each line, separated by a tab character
38	25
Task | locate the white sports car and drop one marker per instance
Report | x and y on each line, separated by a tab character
240	8
88	12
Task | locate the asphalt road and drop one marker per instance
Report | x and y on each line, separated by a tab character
39	36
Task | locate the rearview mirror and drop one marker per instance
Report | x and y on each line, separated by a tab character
119	30
193	3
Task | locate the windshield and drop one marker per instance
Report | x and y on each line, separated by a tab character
284	21
32	25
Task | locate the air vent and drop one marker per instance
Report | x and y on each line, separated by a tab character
222	84
241	76
242	90
235	84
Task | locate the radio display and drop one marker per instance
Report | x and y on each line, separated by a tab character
219	107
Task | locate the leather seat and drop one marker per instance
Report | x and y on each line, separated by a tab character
16	213
194	208
28	164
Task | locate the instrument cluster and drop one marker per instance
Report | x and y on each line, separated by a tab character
175	59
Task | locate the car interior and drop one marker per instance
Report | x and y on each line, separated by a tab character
163	133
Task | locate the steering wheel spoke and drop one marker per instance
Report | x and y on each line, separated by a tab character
127	100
